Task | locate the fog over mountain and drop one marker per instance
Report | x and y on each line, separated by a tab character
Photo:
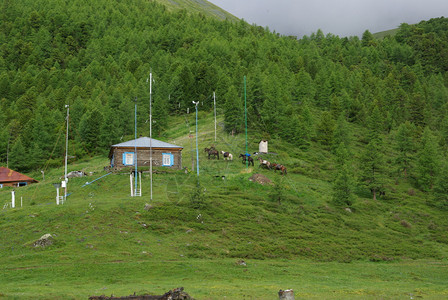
339	17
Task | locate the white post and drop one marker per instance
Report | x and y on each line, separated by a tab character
57	196
13	199
64	185
214	104
140	183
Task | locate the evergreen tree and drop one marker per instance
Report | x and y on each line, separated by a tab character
90	129
372	166
233	111
325	129
344	180
427	161
341	133
18	157
405	147
440	191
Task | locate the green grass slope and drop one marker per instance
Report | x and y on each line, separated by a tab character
193	236
199	6
382	34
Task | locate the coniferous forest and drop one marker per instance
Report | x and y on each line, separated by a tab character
315	90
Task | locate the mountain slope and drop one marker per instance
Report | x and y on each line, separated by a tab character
199	6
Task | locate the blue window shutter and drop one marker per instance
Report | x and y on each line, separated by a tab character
124	158
164	159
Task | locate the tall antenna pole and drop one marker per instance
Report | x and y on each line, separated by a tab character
214	105
245	114
135	149
150	128
66	153
197	149
7	153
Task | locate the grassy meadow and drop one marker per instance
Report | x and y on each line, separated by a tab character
194	235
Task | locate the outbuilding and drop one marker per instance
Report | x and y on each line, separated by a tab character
263	146
163	154
9	177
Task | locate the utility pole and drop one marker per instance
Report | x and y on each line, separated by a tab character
245	114
135	149
150	129
214	105
66	154
197	149
7	153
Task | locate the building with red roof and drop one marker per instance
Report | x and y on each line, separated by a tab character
9	177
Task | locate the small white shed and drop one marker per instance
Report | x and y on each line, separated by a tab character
263	146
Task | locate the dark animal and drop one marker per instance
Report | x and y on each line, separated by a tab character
214	153
248	158
281	168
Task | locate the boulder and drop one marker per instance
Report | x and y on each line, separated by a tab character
286	294
44	241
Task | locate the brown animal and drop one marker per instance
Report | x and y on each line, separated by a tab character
264	163
214	153
248	158
280	168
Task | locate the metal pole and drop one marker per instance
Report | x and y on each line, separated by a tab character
197	149
135	149
150	129
245	114
214	105
66	154
7	153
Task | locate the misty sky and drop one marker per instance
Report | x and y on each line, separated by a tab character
339	17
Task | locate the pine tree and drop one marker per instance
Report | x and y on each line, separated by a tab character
18	157
440	191
341	133
405	147
427	160
325	129
233	111
372	165
344	180
90	129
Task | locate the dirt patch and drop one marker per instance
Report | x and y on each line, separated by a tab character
261	179
176	294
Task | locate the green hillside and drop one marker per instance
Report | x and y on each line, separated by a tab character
382	34
106	239
199	6
360	124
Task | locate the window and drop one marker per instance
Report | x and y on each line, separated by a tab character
167	159
1	185
22	183
128	158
